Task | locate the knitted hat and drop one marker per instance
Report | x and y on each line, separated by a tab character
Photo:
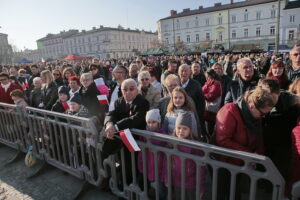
184	119
64	90
153	115
76	98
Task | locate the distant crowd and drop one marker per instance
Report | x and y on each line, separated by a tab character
247	102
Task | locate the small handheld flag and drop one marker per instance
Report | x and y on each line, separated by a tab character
102	99
129	141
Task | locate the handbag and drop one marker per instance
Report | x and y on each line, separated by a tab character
214	106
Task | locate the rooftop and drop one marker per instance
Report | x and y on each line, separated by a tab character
217	7
65	34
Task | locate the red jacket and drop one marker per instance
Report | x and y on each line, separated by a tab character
295	164
232	133
211	91
5	96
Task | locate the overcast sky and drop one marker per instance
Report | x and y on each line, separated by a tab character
25	21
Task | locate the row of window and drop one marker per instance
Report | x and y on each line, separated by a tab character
233	20
291	35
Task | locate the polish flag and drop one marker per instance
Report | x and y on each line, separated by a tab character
102	88
102	99
65	105
129	141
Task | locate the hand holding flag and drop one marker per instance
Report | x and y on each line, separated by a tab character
129	141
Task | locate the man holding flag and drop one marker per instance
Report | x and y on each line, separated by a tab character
130	112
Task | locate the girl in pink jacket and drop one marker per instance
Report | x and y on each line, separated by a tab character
182	130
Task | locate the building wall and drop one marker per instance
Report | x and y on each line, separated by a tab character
252	25
110	43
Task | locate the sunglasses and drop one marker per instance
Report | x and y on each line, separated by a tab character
56	74
145	79
296	54
3	79
138	61
93	69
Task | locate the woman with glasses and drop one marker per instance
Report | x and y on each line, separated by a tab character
89	93
95	71
147	90
58	80
239	127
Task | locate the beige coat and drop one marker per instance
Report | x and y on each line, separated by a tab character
153	96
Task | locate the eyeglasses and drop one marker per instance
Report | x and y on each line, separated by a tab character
262	114
145	79
128	89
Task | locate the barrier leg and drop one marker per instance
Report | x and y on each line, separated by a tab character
84	189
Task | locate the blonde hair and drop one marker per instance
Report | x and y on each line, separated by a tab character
187	103
49	77
169	78
295	87
260	97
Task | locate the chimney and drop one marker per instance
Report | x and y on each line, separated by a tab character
200	7
218	4
231	2
186	10
173	12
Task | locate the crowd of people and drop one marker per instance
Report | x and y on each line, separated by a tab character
247	102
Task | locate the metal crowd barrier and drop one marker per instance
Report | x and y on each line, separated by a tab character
258	174
72	144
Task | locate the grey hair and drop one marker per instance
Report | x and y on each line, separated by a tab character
142	74
242	60
87	75
129	80
36	79
185	66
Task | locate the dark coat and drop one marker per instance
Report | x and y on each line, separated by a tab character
112	87
239	87
194	90
200	78
90	101
134	118
35	98
49	95
277	129
57	107
292	74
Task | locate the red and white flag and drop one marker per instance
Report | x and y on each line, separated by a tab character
102	88
129	141
102	99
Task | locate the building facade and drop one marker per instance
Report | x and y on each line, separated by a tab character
250	24
5	50
103	42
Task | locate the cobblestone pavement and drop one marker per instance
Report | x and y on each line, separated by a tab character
52	184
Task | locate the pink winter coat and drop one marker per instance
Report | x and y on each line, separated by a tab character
150	159
190	170
295	165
